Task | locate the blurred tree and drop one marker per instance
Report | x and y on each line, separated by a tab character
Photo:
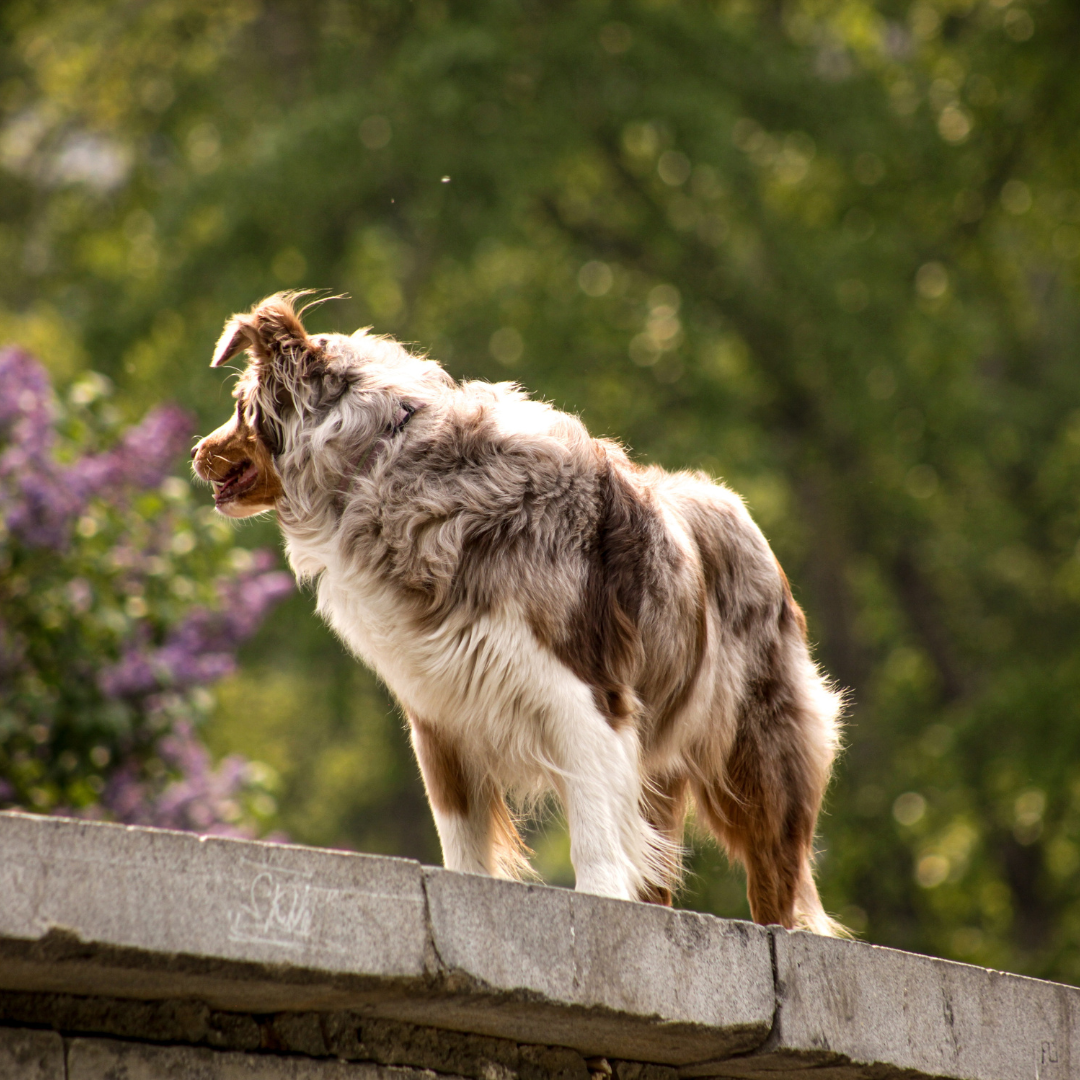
825	249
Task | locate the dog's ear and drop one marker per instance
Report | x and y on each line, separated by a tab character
233	338
270	331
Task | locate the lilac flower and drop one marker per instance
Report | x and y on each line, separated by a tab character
247	599
203	799
201	648
40	499
134	676
149	450
25	400
206	797
126	795
141	460
39	506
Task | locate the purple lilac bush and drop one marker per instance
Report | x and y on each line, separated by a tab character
121	602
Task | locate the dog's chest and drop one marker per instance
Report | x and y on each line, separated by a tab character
489	669
367	614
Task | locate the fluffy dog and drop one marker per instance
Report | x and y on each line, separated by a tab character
551	616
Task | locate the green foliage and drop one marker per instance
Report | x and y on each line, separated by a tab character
825	249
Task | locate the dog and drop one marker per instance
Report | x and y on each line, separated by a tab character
551	616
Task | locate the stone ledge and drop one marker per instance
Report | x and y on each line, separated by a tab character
850	1002
294	941
264	928
97	1059
31	1055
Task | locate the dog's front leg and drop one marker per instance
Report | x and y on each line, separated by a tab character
613	849
464	838
460	807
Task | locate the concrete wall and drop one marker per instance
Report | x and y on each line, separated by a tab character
136	953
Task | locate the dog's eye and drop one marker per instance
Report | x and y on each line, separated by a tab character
247	414
267	432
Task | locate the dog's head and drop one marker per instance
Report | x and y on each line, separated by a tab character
238	458
357	386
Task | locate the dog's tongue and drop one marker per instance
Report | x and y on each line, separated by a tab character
235	484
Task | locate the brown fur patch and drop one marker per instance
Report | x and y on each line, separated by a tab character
666	688
270	329
510	851
452	791
629	607
225	451
444	774
602	644
740	601
791	609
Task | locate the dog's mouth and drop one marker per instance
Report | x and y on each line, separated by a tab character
238	480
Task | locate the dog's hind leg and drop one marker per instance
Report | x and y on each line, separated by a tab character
476	830
764	810
771	847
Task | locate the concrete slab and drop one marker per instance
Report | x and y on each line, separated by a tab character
31	1055
103	910
846	1008
111	909
704	984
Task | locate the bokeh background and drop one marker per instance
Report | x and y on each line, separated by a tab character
826	250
